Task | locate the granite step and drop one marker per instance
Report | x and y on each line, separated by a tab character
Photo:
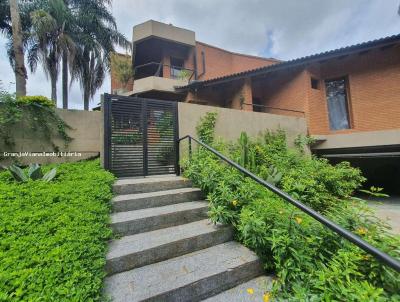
150	219
150	184
130	202
146	248
191	277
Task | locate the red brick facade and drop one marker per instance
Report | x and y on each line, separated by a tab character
372	78
373	91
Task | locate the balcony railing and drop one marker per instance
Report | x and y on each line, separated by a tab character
155	69
268	109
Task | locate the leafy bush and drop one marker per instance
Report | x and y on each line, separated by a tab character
53	234
34	113
311	262
35	99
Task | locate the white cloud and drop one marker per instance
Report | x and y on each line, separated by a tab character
283	29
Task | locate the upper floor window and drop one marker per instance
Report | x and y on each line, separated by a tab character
176	67
338	107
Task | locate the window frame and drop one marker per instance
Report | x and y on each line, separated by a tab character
346	79
174	68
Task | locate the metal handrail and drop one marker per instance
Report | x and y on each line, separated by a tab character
378	254
160	65
275	108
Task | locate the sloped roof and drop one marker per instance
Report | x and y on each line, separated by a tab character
298	62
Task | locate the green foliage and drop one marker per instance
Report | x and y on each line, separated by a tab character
184	74
247	156
35	99
34	113
374	191
205	129
311	262
34	173
273	175
53	234
302	141
122	67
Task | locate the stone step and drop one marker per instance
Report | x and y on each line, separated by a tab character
150	184
145	220
251	291
138	201
146	248
191	277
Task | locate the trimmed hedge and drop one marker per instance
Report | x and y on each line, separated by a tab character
53	235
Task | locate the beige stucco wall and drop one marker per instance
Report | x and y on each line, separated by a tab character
86	131
230	122
157	29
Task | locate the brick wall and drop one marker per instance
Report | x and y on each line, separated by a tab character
220	62
373	91
284	91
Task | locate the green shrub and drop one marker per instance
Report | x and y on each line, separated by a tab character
53	234
311	263
35	99
32	113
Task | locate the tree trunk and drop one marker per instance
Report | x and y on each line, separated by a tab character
20	70
85	99
65	79
53	80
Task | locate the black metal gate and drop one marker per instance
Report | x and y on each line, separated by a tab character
140	136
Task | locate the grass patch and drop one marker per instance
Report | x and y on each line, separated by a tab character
53	235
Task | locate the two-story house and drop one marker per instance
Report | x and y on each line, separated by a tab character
350	97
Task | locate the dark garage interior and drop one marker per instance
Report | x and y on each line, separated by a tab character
380	166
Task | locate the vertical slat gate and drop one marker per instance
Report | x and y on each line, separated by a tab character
140	136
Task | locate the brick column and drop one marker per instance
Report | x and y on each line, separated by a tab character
242	98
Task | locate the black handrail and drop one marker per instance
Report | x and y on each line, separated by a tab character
378	254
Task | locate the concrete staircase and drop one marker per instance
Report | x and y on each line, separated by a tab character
169	251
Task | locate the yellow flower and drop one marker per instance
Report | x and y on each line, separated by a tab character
280	212
266	297
298	220
361	231
234	202
250	291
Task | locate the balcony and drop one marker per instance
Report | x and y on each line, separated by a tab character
155	76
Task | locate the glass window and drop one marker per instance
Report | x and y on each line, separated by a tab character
337	104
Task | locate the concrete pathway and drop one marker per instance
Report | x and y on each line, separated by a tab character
388	209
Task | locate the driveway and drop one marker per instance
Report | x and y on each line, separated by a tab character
388	209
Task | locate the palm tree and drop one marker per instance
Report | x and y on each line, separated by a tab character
18	48
51	39
95	46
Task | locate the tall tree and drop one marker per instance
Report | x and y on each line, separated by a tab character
18	47
96	44
51	40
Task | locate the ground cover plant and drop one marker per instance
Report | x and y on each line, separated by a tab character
310	262
53	234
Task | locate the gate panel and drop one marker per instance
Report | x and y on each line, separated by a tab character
161	137
140	136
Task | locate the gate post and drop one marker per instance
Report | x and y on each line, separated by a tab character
107	133
176	139
144	135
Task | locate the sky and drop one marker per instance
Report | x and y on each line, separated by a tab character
282	29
